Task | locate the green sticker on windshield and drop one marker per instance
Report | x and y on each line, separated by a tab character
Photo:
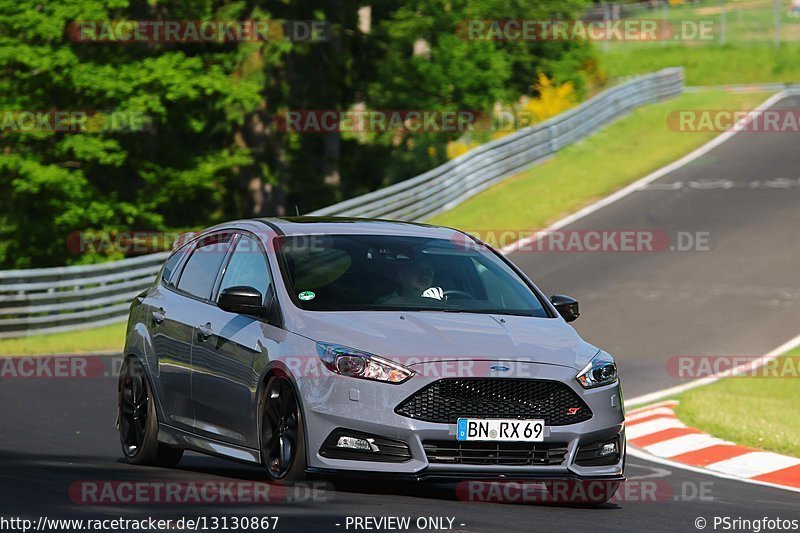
306	295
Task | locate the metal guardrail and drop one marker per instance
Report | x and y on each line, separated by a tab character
47	300
448	185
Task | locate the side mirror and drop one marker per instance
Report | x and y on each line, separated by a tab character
566	306
242	300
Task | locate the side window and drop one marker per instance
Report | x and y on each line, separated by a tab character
173	261
201	269
247	267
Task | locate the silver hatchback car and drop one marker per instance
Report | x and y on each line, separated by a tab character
325	345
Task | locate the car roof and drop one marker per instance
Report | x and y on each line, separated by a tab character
308	225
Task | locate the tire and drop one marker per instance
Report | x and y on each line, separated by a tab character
578	492
138	422
283	444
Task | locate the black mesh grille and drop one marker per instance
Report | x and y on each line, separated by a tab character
494	453
446	400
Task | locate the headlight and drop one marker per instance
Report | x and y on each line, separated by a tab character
601	370
357	364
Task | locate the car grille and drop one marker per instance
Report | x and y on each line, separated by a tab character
446	400
494	453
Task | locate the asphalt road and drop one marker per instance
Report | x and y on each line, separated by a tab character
740	297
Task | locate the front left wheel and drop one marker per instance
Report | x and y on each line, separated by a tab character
138	423
283	447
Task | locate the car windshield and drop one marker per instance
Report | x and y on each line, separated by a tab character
380	272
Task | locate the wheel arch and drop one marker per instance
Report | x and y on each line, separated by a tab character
277	368
147	376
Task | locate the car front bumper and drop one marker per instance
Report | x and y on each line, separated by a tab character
332	402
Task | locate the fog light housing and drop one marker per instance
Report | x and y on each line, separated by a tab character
604	452
354	443
608	448
343	443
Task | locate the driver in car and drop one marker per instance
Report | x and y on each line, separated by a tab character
415	281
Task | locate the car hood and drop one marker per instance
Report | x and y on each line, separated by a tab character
413	337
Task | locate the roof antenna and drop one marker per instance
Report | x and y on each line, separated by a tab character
296	209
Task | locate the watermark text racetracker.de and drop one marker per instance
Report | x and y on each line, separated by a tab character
72	120
644	491
588	241
194	492
629	29
741	366
197	31
734	120
376	120
363	120
59	367
301	366
137	242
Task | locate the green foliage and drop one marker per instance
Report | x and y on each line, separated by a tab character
173	173
205	146
459	73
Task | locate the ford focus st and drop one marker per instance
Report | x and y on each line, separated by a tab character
335	346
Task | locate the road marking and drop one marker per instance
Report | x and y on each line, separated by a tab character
754	464
636	185
652	426
630	418
712	454
781	477
667	438
723	184
683	444
654	438
652	407
643	455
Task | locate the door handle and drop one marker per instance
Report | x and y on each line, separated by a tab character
204	331
159	315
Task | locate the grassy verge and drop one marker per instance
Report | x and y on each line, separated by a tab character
746	55
595	167
106	338
755	412
710	64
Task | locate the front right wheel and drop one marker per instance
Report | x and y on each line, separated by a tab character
283	449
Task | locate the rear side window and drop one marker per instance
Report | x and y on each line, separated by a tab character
201	269
172	263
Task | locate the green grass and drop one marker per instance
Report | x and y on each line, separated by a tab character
710	64
595	167
748	56
102	339
755	412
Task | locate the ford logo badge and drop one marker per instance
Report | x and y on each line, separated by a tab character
500	368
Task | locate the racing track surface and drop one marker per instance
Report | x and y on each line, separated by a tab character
741	297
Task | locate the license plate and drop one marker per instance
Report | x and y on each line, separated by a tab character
507	430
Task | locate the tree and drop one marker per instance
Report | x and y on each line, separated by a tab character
208	148
176	172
